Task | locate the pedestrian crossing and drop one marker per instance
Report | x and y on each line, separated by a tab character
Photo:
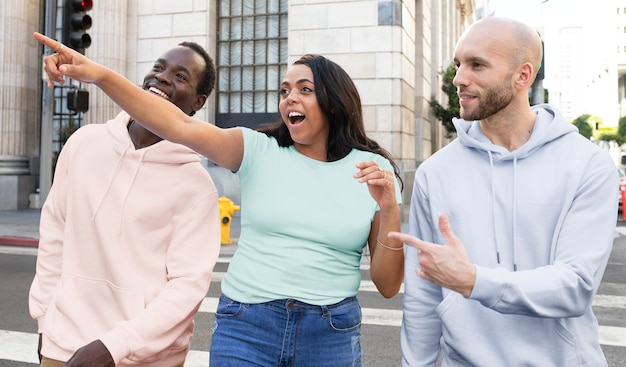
20	346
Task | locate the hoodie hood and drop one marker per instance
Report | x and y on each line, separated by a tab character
550	125
161	152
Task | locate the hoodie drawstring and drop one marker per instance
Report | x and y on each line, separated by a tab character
493	206
132	182
514	213
112	180
106	192
493	211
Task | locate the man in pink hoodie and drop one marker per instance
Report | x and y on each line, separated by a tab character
129	235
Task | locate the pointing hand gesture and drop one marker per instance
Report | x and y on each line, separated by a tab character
67	62
446	265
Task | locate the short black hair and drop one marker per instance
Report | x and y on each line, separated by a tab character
207	82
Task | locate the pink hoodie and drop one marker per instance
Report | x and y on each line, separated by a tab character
128	241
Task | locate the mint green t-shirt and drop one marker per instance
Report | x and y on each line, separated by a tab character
304	224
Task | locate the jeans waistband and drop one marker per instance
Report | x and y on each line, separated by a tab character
294	305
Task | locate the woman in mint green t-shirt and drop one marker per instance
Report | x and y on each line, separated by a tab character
315	191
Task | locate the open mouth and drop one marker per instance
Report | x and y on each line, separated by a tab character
159	92
295	117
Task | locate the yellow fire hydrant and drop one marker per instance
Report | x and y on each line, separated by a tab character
227	209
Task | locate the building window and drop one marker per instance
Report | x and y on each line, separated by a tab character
251	59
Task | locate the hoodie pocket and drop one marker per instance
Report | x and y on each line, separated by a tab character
476	335
84	309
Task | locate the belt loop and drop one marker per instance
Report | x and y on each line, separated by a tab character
325	311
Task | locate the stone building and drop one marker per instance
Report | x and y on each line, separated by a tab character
394	50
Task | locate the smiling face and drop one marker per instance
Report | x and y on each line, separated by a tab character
302	114
485	76
175	76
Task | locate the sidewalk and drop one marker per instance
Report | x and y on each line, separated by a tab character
21	228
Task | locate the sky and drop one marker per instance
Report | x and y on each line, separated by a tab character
527	11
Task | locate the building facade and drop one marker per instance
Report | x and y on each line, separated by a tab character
20	76
582	62
394	51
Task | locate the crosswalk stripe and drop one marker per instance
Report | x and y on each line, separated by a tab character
368	286
197	358
18	346
209	305
602	300
613	335
377	316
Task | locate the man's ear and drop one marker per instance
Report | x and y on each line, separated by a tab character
526	75
199	102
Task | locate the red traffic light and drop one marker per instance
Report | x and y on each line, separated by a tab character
82	5
76	22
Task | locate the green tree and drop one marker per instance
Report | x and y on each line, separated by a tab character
582	123
593	126
619	139
442	113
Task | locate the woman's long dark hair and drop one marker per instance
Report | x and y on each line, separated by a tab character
339	100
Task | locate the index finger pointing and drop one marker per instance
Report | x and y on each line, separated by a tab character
47	41
409	240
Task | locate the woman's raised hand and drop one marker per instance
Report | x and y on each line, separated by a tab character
67	62
380	183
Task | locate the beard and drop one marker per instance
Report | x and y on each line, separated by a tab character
494	100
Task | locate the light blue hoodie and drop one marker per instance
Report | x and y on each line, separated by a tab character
538	223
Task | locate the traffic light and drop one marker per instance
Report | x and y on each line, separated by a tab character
75	24
78	100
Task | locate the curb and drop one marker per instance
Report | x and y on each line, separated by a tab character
19	241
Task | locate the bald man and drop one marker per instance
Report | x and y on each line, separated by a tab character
511	225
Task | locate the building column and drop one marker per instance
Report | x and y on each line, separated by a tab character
19	102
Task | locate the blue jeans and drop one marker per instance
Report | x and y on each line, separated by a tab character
285	333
